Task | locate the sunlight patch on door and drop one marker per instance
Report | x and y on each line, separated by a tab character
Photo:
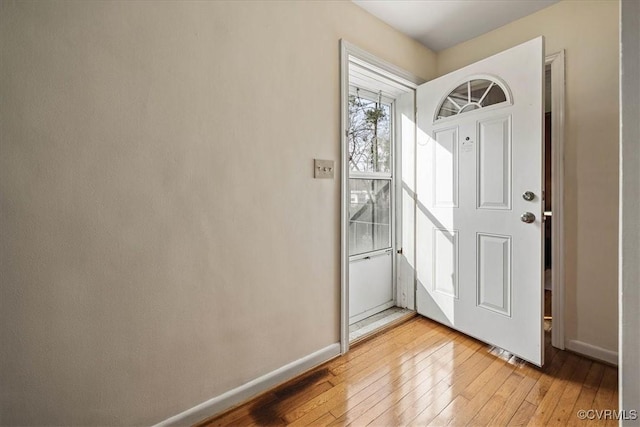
445	262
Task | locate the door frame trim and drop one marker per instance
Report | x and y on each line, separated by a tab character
557	62
385	70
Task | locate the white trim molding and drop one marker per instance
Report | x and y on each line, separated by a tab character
252	388
593	351
557	196
629	237
380	66
345	50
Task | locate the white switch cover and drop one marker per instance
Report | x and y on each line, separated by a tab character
323	168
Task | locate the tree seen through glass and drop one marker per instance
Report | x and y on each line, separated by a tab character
369	135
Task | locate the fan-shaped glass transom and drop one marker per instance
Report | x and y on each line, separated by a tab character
471	95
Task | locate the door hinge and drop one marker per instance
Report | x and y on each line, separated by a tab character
399	251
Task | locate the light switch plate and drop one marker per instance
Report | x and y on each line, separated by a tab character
323	168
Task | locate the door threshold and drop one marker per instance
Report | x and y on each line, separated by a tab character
372	326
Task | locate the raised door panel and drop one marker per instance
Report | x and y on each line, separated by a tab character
494	273
494	163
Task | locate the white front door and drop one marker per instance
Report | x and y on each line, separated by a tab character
479	195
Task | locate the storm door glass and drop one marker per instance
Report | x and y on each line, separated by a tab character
370	165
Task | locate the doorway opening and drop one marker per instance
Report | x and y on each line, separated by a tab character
378	99
548	213
553	201
371	141
371	199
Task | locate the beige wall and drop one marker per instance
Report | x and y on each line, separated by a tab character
162	238
588	31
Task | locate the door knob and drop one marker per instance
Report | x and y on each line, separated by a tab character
527	217
528	196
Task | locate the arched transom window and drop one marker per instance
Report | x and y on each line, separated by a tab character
472	95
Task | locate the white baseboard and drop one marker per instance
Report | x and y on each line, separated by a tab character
252	388
593	351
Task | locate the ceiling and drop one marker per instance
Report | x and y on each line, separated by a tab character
440	24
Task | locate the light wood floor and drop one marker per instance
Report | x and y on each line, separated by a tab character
422	373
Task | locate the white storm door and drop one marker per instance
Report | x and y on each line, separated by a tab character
479	150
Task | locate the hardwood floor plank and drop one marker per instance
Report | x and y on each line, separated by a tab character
548	403
594	377
401	342
376	372
496	403
411	405
271	408
607	393
499	369
423	373
481	390
562	413
510	407
587	394
381	343
522	415
448	355
232	416
404	364
514	410
540	388
458	383
408	371
325	420
445	417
